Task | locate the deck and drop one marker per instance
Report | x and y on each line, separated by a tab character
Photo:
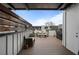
46	46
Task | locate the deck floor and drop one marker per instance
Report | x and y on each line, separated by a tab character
46	46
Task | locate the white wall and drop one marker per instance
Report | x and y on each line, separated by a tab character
19	42
72	28
14	42
2	45
64	29
9	44
52	33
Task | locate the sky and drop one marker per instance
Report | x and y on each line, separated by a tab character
40	17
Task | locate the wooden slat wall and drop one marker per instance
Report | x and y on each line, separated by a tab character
9	21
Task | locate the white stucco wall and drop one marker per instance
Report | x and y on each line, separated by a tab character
72	28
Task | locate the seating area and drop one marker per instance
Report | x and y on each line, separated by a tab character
28	42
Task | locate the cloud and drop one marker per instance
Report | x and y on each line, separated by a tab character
39	22
58	19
